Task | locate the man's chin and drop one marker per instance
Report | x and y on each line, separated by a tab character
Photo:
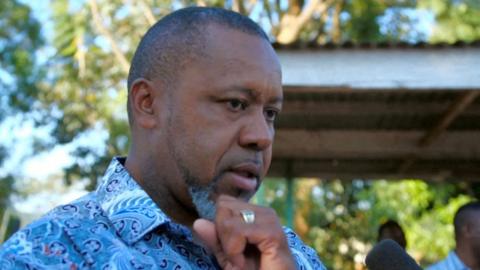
239	194
204	205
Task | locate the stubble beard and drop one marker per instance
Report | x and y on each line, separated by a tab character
201	200
201	194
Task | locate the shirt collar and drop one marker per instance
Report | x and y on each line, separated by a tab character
130	209
456	261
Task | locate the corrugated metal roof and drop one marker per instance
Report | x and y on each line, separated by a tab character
375	45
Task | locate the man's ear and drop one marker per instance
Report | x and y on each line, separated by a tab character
142	101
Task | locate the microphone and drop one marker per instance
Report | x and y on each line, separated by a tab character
388	255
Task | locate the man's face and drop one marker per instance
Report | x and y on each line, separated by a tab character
474	234
220	126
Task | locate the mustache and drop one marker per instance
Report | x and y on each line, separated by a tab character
257	161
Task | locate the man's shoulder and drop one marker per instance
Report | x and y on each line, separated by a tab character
86	207
71	215
63	216
48	240
440	265
305	256
451	262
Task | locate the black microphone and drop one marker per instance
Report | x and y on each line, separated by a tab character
388	255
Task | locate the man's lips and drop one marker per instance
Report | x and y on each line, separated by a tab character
245	176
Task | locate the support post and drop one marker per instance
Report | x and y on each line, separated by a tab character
261	195
290	203
4	224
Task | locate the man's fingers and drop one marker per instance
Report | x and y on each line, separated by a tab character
265	234
240	245
207	233
231	239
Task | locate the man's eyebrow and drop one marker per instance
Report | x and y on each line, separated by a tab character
276	100
253	94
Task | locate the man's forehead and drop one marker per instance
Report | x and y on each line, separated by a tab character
232	62
224	36
222	45
249	62
475	215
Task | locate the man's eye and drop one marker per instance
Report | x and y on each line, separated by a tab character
237	105
270	115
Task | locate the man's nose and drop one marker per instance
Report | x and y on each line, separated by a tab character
257	133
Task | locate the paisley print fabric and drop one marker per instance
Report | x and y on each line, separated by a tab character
117	226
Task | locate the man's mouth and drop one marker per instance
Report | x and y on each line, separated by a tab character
245	177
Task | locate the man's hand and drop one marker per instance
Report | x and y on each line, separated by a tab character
238	245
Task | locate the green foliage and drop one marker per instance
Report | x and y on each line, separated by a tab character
19	38
457	20
340	219
84	71
363	25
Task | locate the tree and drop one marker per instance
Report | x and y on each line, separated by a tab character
340	219
19	39
456	20
19	74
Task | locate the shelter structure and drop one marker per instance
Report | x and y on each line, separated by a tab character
379	112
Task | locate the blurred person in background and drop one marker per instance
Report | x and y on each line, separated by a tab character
466	255
392	230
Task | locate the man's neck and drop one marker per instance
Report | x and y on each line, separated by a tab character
174	208
163	197
465	254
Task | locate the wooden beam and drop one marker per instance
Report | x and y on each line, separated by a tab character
319	108
305	89
407	163
289	89
453	112
450	115
341	144
349	169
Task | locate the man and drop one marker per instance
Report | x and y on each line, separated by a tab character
466	255
392	230
204	92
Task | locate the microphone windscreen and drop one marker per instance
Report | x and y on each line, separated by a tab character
388	255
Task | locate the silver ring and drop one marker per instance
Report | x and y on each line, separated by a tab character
248	216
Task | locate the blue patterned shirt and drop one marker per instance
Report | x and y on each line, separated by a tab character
117	226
